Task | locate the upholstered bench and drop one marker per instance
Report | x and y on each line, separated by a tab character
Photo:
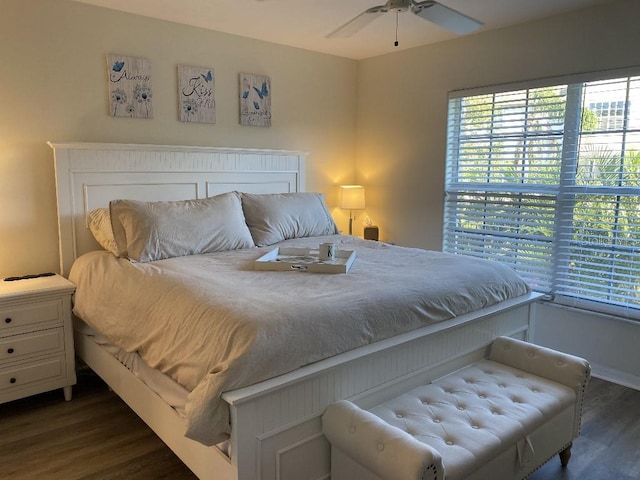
500	418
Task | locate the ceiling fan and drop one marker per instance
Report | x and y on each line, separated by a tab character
429	10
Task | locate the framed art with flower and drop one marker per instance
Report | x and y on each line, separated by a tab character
196	94
130	92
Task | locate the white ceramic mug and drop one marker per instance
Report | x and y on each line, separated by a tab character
327	252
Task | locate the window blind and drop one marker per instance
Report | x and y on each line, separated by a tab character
547	180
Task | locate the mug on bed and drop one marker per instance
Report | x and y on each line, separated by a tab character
327	252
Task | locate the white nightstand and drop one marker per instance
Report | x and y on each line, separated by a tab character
36	337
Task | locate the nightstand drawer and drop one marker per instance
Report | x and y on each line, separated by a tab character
24	375
21	316
41	342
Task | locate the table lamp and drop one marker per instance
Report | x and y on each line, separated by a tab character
351	198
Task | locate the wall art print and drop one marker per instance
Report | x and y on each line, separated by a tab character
255	100
196	94
130	92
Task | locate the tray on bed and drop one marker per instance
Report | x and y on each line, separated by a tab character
304	260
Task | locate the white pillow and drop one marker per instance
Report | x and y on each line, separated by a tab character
275	217
155	230
100	226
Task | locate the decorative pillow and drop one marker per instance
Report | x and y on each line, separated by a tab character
155	230
100	226
275	217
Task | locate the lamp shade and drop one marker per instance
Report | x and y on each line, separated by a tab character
352	197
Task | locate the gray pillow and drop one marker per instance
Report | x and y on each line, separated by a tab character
150	231
275	217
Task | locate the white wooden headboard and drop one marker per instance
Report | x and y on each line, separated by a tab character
89	175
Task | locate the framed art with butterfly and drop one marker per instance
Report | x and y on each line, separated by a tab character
130	92
196	94
255	100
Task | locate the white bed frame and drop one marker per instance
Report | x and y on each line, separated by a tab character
276	424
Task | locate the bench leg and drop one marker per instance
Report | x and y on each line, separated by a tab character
565	455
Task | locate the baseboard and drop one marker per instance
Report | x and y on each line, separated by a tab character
615	376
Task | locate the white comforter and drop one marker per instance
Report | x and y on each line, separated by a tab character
213	323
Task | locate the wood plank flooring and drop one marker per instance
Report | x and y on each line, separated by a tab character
608	447
97	437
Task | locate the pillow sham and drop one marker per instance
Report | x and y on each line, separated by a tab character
275	217
100	226
156	230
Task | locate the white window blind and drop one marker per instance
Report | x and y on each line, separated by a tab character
547	180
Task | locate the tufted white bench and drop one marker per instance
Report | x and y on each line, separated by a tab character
500	418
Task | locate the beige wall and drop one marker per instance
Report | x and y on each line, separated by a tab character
402	108
403	103
53	87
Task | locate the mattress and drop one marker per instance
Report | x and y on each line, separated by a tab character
213	324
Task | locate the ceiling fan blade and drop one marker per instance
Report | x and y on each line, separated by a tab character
445	17
358	22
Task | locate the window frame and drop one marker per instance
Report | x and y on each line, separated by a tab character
565	191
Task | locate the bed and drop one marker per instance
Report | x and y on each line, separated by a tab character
273	418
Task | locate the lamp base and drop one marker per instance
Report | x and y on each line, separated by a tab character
350	225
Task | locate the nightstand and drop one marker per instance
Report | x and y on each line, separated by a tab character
36	337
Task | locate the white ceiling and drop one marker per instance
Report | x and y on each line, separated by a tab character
305	23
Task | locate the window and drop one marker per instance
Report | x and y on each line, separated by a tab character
547	180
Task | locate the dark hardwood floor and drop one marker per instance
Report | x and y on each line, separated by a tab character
608	447
97	437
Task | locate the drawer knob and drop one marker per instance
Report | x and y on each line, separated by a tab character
10	350
12	380
7	320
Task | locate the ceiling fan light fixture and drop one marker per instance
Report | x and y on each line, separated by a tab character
398	6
